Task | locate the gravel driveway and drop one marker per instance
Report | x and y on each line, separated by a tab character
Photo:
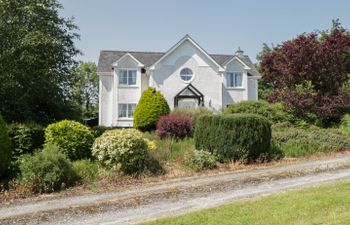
176	196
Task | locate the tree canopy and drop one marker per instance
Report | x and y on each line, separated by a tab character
36	56
85	88
310	73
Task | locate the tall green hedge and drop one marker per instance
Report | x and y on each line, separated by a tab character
5	148
151	106
241	137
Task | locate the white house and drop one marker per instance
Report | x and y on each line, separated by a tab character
186	75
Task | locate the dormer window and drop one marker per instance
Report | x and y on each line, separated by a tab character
234	79
127	76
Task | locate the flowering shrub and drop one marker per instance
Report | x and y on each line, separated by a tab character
202	160
125	149
175	126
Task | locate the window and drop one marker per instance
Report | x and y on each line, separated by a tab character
126	110
234	79
186	74
127	77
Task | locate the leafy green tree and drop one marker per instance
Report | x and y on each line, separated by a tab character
36	56
85	88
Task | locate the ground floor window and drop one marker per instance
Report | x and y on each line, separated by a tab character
126	110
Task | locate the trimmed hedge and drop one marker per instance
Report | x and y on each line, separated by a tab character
243	137
174	126
151	106
73	138
5	148
275	113
25	138
47	171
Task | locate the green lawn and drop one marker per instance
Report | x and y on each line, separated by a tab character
328	204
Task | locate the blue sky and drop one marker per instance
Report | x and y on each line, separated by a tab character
219	26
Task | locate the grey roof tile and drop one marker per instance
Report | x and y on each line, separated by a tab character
107	58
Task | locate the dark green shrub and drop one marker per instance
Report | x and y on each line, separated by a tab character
99	130
151	106
273	112
296	142
47	171
5	148
201	160
125	149
25	138
241	137
194	114
87	169
73	138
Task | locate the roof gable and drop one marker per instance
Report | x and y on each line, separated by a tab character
193	43
139	64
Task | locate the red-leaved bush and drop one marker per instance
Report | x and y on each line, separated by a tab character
174	126
321	60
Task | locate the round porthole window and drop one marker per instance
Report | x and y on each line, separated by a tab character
186	74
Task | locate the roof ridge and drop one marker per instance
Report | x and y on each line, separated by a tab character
132	51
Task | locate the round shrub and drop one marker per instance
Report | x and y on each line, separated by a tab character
125	149
25	138
5	148
73	138
174	126
241	137
273	112
47	171
151	106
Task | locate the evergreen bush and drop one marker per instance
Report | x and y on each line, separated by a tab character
150	107
73	138
241	137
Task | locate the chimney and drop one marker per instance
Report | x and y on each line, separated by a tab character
239	52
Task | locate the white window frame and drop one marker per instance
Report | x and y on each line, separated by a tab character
128	109
234	73
192	77
119	71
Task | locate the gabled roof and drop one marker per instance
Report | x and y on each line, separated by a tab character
186	38
131	56
107	58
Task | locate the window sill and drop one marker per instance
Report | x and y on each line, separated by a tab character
128	86
235	88
125	119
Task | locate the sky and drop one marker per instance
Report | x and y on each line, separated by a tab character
219	26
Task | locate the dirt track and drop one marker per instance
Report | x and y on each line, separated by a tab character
177	196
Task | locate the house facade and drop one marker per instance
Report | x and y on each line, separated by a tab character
186	75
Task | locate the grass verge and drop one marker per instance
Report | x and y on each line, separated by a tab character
327	204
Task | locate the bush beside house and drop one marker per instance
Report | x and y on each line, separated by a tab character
241	137
73	138
174	126
150	107
124	149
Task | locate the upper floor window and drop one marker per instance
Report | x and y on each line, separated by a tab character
186	74
234	79
126	110
127	77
